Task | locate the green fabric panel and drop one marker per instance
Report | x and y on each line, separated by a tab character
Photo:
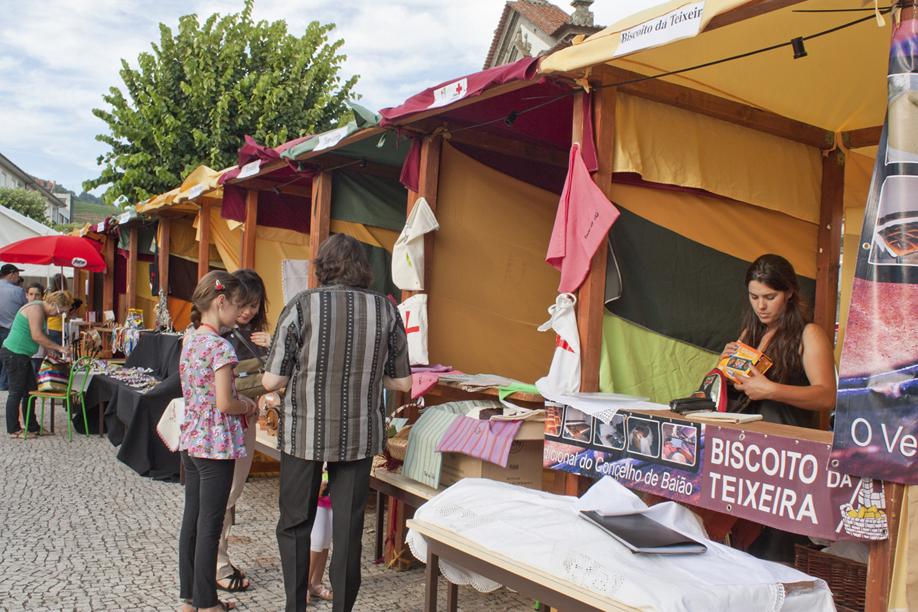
381	266
637	361
370	200
146	236
391	153
678	287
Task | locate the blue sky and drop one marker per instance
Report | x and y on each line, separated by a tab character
57	58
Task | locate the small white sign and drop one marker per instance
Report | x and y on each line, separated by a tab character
683	22
250	169
124	218
195	191
331	138
100	227
450	93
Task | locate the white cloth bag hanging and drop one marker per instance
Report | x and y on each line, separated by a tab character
408	252
169	427
414	318
564	373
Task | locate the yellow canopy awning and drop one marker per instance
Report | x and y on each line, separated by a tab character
202	182
839	85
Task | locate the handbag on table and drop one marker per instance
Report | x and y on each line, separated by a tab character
249	371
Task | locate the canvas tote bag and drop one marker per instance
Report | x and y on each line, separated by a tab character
414	317
408	252
564	373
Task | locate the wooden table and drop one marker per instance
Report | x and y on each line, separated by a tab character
266	443
401	488
515	574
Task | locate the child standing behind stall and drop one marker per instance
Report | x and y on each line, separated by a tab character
212	436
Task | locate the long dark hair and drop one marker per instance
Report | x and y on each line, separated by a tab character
784	348
58	283
252	291
342	260
212	285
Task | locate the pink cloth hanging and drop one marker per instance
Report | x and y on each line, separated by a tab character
582	222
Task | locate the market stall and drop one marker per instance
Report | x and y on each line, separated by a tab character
681	158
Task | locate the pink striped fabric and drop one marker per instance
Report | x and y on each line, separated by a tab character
486	440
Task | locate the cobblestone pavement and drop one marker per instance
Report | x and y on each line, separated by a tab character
82	531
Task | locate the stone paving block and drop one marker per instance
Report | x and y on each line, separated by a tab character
84	532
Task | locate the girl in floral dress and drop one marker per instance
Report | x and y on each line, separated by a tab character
212	437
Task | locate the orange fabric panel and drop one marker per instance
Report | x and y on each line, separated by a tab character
490	286
180	311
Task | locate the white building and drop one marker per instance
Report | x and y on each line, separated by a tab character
528	28
58	204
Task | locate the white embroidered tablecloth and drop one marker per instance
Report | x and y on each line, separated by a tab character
545	530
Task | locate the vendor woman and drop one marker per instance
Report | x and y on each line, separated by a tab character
778	322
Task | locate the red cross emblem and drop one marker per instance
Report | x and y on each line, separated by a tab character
458	88
416	328
562	343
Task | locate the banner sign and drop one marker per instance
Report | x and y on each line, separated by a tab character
877	409
772	480
684	22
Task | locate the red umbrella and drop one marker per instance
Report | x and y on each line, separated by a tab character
58	250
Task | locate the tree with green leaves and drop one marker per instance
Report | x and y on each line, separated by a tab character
192	99
25	201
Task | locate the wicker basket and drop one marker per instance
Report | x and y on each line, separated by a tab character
398	444
847	579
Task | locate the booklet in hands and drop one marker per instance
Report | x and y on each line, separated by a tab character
641	534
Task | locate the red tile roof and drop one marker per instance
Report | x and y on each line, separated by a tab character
544	15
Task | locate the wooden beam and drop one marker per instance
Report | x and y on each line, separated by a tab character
294	189
697	101
320	219
162	254
591	295
251	227
132	267
509	146
352	164
882	553
828	241
428	185
204	239
863	137
108	281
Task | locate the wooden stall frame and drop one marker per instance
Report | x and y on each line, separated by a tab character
251	228
204	238
108	281
132	267
320	219
162	254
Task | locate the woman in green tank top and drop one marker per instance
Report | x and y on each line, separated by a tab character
26	334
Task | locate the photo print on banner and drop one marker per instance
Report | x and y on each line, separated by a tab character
877	409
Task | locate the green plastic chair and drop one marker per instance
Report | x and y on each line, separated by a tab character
83	364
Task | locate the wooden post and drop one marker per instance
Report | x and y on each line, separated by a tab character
320	218
883	553
828	248
108	281
132	268
251	227
828	242
428	185
204	239
162	254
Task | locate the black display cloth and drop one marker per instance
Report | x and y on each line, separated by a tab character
131	416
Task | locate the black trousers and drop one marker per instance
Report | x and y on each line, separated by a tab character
21	379
207	489
348	485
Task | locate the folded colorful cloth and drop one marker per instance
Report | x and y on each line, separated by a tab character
483	439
